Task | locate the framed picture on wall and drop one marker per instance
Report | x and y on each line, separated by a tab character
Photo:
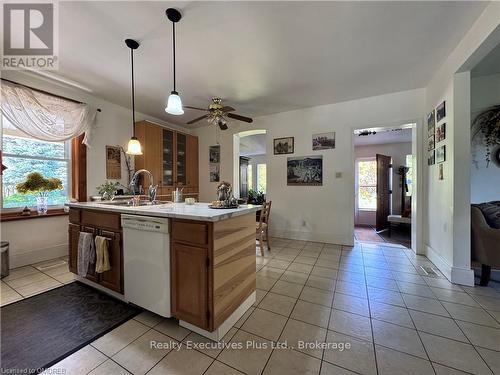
214	172
305	171
431	122
431	144
441	111
323	141
441	154
113	163
283	146
441	172
214	154
431	158
441	132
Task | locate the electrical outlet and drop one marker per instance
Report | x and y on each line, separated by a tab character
338	174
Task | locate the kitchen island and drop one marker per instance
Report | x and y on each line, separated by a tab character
210	255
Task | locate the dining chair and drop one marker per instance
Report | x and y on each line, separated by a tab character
262	227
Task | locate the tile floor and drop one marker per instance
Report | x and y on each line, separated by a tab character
371	306
27	281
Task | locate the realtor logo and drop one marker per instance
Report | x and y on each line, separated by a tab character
29	36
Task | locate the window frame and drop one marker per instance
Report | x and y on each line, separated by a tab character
358	160
257	174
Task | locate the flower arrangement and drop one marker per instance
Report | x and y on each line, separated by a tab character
108	189
35	183
255	197
488	124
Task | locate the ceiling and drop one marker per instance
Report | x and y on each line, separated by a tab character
260	57
489	65
252	145
395	135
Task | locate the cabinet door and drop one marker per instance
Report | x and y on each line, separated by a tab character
190	284
91	275
73	237
113	279
150	136
180	153
192	161
168	158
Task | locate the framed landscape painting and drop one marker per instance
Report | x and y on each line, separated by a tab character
441	111
323	141
441	154
431	144
305	171
431	158
431	122
283	146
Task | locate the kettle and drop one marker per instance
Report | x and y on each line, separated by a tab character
177	195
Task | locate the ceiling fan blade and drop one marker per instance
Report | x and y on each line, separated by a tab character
228	108
239	117
199	109
197	119
222	125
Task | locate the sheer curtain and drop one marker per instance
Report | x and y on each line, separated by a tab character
44	116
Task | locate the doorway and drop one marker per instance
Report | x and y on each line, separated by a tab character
384	184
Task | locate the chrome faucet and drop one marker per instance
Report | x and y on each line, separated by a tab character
152	188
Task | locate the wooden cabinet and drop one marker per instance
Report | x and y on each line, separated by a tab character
171	156
99	224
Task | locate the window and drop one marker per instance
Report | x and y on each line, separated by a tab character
261	178
250	176
409	175
367	184
22	155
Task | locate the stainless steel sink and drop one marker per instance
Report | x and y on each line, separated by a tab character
128	203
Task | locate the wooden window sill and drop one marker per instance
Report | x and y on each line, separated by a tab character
13	216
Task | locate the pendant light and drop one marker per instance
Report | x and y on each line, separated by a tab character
174	104
134	146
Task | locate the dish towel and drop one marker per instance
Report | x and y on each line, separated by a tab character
102	255
86	252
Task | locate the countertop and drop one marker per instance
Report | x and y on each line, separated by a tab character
198	211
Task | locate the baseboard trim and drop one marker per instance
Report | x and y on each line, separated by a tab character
38	255
312	236
456	275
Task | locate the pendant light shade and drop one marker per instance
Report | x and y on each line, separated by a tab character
174	104
134	146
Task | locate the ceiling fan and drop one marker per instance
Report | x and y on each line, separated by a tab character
218	114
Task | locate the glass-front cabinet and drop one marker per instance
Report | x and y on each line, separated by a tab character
181	159
168	158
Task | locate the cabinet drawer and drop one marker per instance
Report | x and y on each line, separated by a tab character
187	231
74	215
101	219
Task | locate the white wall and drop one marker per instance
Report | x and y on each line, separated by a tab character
40	239
447	217
398	152
322	213
485	181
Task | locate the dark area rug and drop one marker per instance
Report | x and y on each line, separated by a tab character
39	331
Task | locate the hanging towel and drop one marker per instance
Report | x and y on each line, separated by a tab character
102	255
86	252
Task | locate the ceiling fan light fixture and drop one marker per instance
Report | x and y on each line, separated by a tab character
174	104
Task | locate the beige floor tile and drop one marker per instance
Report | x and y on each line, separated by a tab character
385	296
442	283
351	304
114	341
352	277
265	324
171	327
325	272
445	370
382	283
265	283
391	362
321	283
219	368
248	359
287	289
311	313
488	303
109	368
454	296
290	362
318	296
300	267
22	281
470	314
350	324
281	264
352	289
437	325
272	273
486	337
9	296
329	369
415	289
183	361
300	336
360	357
47	264
17	273
81	362
145	352
56	270
38	287
396	337
259	296
244	317
148	318
278	303
328	263
65	278
492	358
5	287
392	314
454	354
306	260
428	305
207	346
294	277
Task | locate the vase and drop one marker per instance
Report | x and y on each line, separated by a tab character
41	205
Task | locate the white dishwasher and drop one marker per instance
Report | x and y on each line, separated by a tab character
146	262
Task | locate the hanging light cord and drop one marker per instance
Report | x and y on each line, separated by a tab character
133	91
173	43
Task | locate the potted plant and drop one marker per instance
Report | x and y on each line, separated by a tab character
35	183
488	124
256	197
107	190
